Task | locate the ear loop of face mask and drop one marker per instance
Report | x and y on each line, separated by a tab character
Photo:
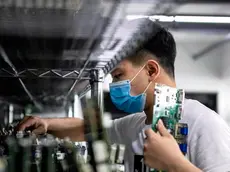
137	73
136	76
151	82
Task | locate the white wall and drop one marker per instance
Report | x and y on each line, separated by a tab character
208	74
52	114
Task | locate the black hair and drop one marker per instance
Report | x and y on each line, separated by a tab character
163	47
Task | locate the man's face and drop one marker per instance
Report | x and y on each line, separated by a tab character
127	71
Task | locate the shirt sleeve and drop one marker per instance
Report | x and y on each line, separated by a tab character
125	129
116	133
210	145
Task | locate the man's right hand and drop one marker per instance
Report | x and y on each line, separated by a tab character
35	124
59	127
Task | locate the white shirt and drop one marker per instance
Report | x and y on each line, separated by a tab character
208	138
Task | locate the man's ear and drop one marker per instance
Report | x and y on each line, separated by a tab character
153	69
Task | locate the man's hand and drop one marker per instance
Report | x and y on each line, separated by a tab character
35	124
59	127
161	151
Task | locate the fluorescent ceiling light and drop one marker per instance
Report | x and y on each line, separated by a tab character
183	19
133	17
101	63
202	19
107	56
162	18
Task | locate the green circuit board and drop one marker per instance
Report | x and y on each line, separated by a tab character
168	104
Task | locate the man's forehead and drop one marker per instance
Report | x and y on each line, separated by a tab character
122	65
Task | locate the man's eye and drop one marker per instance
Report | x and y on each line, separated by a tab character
118	76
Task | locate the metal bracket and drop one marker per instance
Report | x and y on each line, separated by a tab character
42	73
96	75
211	48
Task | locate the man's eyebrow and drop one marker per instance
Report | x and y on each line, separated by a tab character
115	70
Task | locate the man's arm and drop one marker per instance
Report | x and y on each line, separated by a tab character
74	127
67	127
184	165
59	127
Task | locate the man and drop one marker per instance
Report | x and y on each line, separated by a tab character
208	138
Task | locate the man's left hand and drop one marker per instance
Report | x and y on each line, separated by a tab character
161	151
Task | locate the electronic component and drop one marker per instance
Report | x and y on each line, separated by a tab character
98	144
24	150
168	107
12	150
117	157
47	163
29	154
181	130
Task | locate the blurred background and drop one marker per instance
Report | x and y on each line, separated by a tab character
52	52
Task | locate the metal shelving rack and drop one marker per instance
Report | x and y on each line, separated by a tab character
27	23
30	13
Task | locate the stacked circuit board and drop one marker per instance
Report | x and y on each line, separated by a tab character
23	151
103	157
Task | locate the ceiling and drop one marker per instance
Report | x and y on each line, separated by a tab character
49	50
46	51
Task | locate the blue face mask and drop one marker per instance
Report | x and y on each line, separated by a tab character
121	98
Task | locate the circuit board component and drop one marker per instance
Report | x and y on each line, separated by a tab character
117	157
168	107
